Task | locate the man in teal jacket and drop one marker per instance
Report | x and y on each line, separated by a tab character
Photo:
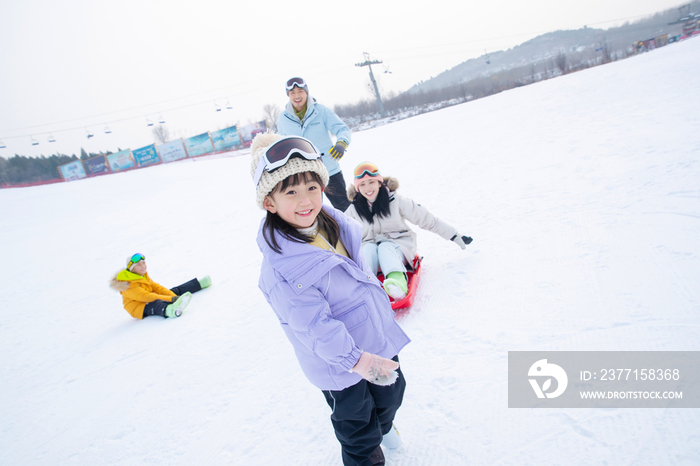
304	117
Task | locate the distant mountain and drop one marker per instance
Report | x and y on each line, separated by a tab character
579	46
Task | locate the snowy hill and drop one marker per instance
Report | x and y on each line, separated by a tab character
537	56
538	53
581	194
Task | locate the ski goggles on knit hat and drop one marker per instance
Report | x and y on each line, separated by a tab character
134	259
366	169
298	82
281	151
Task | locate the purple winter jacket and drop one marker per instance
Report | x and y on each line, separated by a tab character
331	308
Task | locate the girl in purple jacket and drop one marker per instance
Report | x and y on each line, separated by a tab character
330	305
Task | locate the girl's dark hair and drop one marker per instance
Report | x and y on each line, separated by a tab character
380	206
274	223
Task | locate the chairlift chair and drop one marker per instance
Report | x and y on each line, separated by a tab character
107	130
228	105
51	138
2	144
149	122
34	141
161	120
89	134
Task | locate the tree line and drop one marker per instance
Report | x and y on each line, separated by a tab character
21	169
425	101
611	45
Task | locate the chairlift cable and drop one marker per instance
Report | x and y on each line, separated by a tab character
149	123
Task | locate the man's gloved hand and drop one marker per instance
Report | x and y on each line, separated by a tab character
376	369
338	150
462	241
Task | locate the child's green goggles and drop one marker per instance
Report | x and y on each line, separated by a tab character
135	258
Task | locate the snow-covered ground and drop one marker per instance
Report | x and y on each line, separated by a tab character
582	194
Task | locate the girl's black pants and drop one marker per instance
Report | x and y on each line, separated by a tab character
362	414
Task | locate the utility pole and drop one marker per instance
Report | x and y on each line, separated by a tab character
369	63
689	19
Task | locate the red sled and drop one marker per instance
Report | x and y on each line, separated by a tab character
413	278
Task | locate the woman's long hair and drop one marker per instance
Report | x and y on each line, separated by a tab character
380	206
274	223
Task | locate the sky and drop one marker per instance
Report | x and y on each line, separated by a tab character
77	67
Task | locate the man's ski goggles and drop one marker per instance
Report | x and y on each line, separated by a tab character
281	151
298	82
136	258
366	169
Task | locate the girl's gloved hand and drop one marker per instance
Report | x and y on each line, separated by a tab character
376	369
173	299
462	241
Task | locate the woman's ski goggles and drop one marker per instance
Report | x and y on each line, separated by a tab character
298	82
281	151
366	168
135	258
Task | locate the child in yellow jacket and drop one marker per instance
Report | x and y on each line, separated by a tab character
142	297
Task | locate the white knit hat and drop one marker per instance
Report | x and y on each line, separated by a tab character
295	165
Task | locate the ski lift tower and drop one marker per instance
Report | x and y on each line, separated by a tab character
369	63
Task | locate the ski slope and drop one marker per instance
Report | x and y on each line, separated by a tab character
582	194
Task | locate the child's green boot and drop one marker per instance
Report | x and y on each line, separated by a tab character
175	309
205	281
396	285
